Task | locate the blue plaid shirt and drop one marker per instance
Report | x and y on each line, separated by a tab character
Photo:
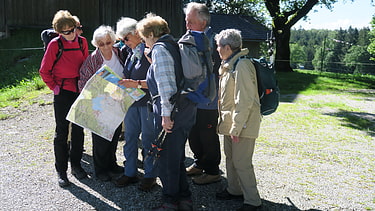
164	76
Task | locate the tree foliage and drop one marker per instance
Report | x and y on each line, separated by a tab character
371	47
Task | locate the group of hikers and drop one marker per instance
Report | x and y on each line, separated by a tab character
148	57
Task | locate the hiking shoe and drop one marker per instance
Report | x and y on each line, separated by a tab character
206	179
225	195
185	205
147	184
63	180
166	207
78	172
125	181
248	207
193	170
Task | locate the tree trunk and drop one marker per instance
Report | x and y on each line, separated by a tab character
282	59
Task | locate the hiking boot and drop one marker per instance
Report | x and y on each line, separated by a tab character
206	179
78	172
248	207
185	205
166	207
125	181
193	170
147	184
225	195
63	180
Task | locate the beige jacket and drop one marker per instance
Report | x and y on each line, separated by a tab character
239	108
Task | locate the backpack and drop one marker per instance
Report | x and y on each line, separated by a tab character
199	79
268	90
62	49
47	35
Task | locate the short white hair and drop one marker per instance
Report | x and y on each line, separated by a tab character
125	26
102	32
231	37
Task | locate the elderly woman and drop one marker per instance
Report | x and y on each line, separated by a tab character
61	77
239	119
162	79
138	120
104	152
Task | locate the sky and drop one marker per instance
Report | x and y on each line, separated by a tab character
357	14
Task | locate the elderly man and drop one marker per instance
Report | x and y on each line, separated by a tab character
203	139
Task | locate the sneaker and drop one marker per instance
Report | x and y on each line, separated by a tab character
185	205
193	170
225	195
205	179
63	180
125	181
248	207
78	172
166	207
147	184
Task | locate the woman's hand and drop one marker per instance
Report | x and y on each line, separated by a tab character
235	139
128	83
167	124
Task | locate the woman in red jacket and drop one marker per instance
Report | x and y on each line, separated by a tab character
60	71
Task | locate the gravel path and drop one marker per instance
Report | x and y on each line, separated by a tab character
28	180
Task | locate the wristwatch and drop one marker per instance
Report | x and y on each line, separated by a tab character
139	84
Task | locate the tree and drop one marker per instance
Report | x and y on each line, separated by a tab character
285	14
357	59
298	55
371	47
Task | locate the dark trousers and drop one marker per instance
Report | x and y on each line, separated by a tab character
63	151
204	141
171	167
104	152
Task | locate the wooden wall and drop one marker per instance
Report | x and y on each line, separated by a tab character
92	13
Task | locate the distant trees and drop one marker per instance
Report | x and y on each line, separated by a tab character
334	50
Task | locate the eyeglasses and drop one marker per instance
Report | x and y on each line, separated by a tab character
102	44
68	31
79	27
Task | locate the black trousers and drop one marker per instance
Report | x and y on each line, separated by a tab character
204	141
104	152
63	151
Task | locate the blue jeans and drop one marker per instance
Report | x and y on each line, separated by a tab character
138	120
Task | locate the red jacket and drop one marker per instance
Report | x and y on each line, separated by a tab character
65	73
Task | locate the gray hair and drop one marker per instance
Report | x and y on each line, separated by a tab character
202	10
231	37
125	26
102	32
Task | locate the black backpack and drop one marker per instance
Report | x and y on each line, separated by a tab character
268	90
48	34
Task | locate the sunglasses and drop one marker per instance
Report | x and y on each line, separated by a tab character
79	27
102	44
68	31
126	39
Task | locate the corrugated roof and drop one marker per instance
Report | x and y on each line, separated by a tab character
249	27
